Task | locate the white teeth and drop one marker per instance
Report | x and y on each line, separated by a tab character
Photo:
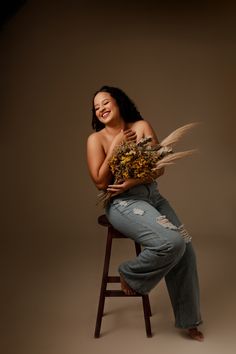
105	114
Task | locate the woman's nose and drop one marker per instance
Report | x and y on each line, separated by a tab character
101	109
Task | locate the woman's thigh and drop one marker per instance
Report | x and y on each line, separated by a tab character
165	208
142	222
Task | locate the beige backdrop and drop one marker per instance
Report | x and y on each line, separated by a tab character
177	62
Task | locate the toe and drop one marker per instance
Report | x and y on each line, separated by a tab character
194	333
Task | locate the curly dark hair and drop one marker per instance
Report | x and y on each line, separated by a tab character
126	106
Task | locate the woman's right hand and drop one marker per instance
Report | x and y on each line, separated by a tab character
125	135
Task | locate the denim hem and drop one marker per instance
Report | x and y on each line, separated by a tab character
133	288
195	324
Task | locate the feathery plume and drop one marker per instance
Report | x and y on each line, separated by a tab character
175	136
168	159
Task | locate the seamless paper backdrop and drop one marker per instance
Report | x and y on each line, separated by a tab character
177	62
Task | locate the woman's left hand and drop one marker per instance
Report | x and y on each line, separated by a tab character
115	189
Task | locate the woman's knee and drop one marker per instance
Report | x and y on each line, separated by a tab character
178	244
173	247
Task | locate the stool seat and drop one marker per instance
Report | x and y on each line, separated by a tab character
102	220
111	234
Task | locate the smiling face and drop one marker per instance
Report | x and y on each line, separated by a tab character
106	108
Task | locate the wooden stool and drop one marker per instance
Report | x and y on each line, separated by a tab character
112	233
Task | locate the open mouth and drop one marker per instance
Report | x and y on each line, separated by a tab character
105	114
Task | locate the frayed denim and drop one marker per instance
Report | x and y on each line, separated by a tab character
145	216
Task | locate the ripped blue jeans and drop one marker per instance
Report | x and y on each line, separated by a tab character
145	216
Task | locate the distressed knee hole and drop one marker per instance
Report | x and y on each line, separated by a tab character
138	211
123	203
162	220
184	233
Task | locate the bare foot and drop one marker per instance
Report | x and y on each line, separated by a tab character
194	333
125	287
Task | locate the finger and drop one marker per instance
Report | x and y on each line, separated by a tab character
111	190
132	132
114	185
132	138
129	132
131	135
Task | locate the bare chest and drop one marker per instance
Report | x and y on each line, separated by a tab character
107	139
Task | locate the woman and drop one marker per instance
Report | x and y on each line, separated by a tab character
138	210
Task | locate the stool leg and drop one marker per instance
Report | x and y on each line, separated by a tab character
146	309
147	302
104	284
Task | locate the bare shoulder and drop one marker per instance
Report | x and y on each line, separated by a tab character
144	129
141	124
95	138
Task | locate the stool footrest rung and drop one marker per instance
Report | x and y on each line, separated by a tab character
119	293
113	279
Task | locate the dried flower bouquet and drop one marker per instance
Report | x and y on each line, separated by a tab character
142	160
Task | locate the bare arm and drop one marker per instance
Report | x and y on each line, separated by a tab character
98	160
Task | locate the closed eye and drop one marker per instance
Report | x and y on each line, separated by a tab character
96	108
